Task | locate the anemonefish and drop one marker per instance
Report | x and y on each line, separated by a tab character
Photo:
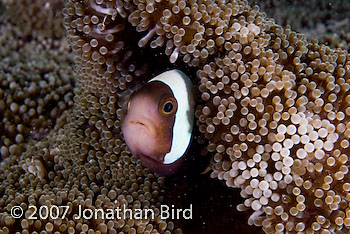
159	122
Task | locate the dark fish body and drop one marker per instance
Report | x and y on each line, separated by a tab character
158	126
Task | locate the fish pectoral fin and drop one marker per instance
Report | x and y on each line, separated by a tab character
206	170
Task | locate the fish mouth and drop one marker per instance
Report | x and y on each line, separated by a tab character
145	123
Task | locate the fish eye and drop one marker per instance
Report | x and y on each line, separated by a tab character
168	106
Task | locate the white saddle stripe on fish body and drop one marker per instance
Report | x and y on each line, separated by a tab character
181	87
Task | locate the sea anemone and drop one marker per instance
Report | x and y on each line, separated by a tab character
272	113
274	105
